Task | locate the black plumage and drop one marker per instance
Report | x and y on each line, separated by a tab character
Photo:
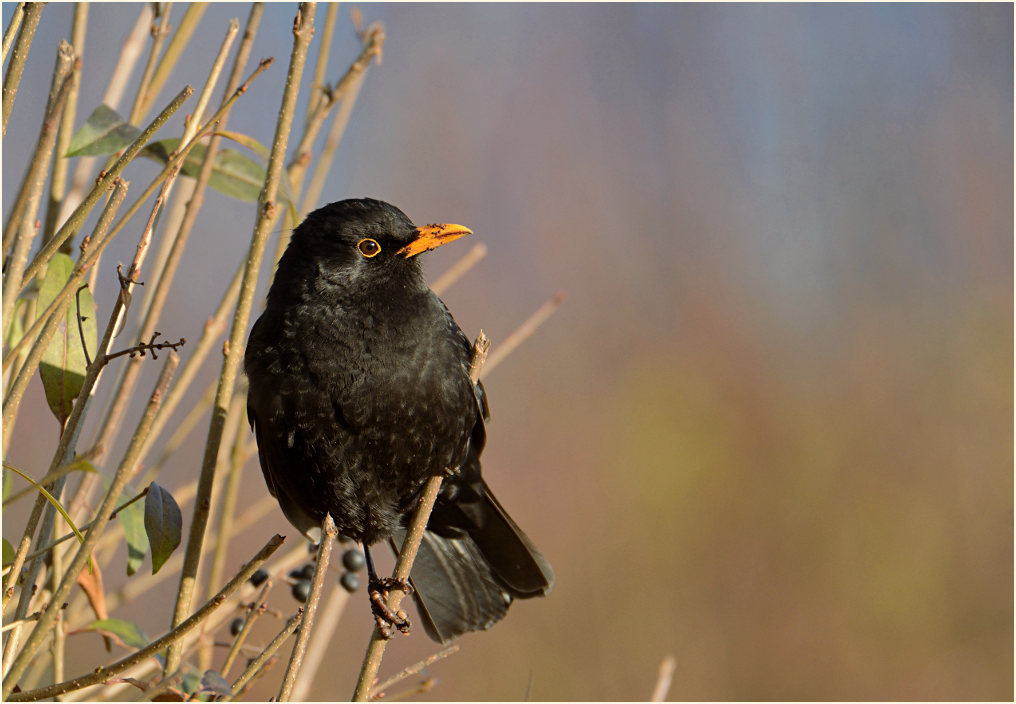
360	391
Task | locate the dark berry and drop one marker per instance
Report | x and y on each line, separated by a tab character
258	578
235	626
349	581
353	560
308	571
301	590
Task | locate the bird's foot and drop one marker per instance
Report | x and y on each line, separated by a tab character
385	618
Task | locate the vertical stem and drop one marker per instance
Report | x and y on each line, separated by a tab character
317	87
54	315
318	650
131	49
64	64
349	89
123	472
328	535
79	214
18	57
226	503
35	180
257	663
183	33
159	33
12	28
58	181
303	31
404	562
160	289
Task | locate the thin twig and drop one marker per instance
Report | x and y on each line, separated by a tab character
105	181
318	650
257	663
70	427
303	31
318	89
55	314
108	427
36	170
159	33
328	535
412	670
236	427
68	536
35	180
404	563
73	466
664	679
184	197
12	29
18	57
118	81
350	85
104	674
524	331
466	262
120	478
253	611
162	686
183	33
58	179
141	584
224	502
166	261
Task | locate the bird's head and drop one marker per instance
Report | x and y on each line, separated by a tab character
360	242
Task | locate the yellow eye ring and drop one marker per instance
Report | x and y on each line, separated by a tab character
368	247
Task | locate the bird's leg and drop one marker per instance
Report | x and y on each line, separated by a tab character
377	591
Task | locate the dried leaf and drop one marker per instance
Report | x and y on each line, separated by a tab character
90	582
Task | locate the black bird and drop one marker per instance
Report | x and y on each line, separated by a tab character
360	391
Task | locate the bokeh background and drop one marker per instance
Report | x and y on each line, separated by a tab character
770	432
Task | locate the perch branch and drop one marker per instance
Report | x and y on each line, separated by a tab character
404	563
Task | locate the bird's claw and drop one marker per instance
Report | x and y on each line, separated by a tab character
385	618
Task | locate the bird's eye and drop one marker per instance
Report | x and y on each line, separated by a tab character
368	247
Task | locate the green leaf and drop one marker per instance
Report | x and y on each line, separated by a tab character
16	329
8	552
52	500
104	132
127	632
163	523
285	189
132	518
75	466
233	174
191	682
63	365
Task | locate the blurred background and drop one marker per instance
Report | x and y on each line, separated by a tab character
770	431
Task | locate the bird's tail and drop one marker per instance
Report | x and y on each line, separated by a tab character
465	578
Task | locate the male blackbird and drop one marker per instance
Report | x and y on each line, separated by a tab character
360	391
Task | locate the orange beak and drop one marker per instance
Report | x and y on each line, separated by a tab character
431	237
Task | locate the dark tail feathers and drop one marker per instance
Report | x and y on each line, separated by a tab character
464	580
